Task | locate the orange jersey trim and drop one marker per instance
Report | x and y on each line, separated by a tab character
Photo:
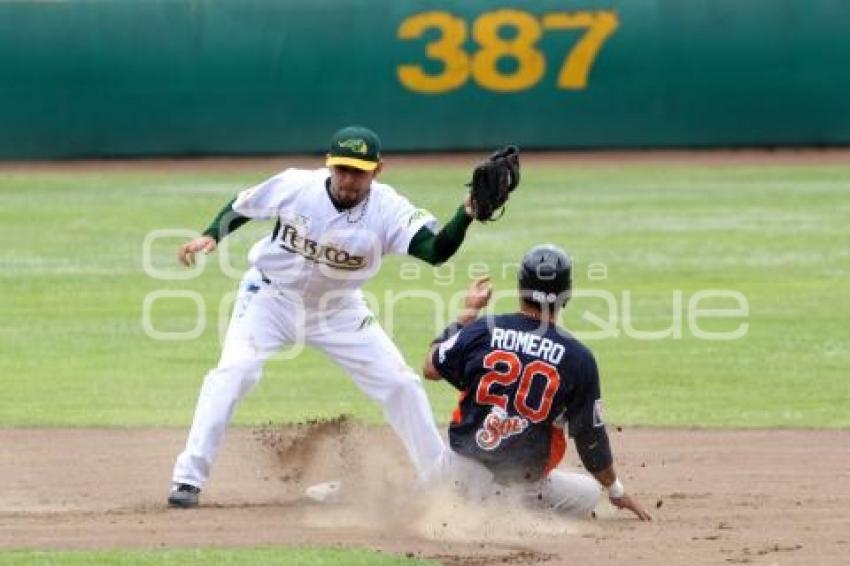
557	449
457	414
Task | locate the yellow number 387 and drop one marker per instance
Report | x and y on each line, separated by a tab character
458	65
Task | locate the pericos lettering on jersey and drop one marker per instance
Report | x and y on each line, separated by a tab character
527	343
291	241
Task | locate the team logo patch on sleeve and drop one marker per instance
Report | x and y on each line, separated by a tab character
416	215
597	413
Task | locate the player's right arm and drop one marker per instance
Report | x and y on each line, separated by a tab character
587	428
226	221
186	252
258	202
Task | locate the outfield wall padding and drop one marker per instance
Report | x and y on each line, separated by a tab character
168	77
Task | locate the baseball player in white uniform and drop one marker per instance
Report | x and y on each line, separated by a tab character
332	227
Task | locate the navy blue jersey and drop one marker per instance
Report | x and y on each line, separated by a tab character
518	380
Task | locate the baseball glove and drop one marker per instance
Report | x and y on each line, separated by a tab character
492	183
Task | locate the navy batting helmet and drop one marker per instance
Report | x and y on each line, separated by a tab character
546	275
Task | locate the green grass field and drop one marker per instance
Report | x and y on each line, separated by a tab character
73	351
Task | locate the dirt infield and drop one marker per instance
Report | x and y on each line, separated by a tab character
719	497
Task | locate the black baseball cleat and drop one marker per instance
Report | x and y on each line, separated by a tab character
184	496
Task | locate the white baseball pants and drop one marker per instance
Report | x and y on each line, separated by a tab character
264	321
571	493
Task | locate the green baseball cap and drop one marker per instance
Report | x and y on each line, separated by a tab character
355	146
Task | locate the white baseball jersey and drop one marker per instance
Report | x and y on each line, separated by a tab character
317	251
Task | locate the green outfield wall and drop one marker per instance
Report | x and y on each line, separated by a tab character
166	77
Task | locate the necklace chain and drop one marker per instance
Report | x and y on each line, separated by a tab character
362	210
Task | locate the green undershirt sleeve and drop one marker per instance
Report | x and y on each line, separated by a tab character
225	222
437	248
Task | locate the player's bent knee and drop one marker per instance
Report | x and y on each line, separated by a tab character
398	389
405	382
571	493
241	376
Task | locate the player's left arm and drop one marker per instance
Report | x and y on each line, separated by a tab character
491	186
257	202
437	248
587	428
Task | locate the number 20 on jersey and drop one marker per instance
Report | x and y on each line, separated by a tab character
502	34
